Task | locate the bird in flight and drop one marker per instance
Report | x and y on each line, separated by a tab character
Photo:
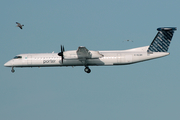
19	25
127	41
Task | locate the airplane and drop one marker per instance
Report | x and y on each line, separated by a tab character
84	57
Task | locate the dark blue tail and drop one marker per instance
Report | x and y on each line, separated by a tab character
162	40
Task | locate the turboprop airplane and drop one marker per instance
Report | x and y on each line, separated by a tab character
84	57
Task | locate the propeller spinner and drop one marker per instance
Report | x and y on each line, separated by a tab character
61	53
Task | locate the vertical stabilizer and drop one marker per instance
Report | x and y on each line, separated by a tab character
162	40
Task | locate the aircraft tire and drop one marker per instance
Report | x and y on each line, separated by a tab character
12	71
87	70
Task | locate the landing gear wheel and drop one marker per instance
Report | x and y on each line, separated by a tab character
12	70
87	70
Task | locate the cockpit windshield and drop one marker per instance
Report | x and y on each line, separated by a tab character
17	57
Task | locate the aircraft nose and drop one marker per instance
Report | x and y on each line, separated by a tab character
8	64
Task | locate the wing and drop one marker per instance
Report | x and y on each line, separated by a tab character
84	53
20	27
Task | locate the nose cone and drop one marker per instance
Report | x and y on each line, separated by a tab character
8	64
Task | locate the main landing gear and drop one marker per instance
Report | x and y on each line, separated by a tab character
12	70
87	70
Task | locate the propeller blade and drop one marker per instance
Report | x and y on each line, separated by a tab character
62	59
63	49
61	53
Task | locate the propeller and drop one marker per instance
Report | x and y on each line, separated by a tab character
61	53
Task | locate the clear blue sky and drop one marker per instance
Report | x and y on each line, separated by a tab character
142	91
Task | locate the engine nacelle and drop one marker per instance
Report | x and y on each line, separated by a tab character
95	55
70	55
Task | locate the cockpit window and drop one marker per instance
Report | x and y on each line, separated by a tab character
17	57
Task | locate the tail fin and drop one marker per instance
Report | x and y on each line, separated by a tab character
162	40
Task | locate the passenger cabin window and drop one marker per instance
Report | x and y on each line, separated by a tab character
17	57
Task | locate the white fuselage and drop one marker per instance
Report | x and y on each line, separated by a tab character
120	57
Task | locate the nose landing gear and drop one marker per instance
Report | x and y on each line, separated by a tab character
87	70
12	70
